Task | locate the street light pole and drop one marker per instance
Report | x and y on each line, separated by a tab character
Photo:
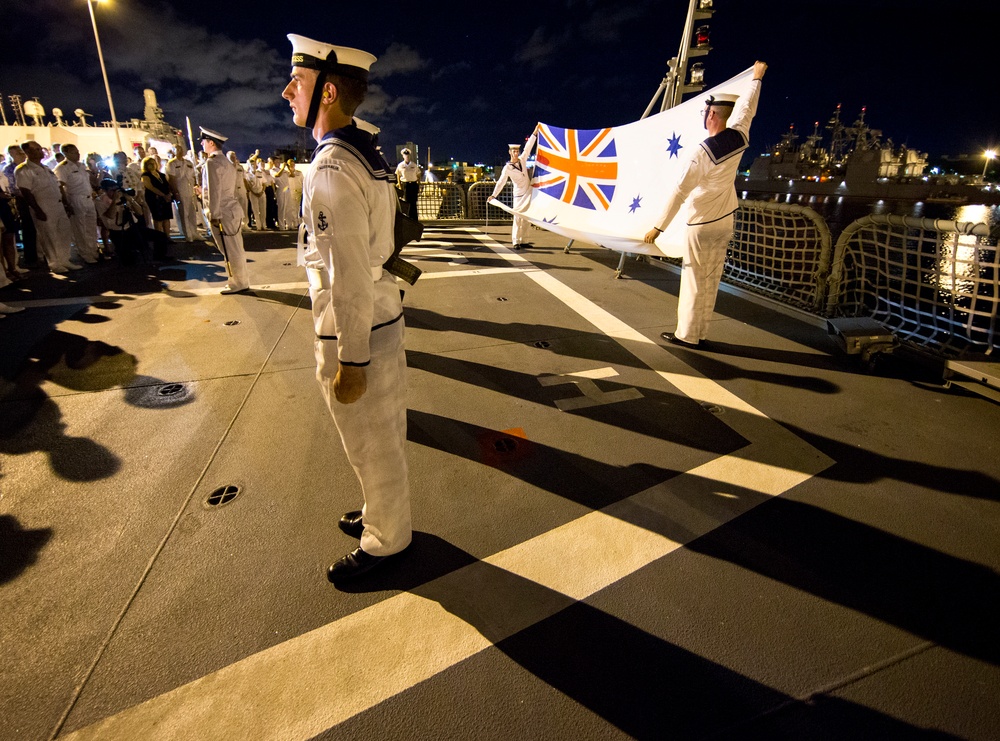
107	86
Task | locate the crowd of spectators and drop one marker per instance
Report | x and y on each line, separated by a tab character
60	212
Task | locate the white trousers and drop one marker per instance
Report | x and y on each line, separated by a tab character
55	236
293	205
187	218
258	201
83	223
704	258
232	250
241	196
372	429
281	197
519	229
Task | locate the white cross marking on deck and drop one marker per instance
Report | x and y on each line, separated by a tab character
592	395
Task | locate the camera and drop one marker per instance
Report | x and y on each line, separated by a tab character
130	192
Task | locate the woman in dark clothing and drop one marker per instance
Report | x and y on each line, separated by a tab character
157	194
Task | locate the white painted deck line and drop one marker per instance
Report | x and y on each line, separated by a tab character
369	656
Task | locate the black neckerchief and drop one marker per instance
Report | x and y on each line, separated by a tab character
361	145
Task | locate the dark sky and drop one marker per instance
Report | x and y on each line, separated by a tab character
466	78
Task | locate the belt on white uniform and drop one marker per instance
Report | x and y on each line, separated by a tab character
317	276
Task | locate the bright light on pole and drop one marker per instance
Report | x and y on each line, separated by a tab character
107	86
989	154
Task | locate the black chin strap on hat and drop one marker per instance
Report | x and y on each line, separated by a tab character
708	107
314	102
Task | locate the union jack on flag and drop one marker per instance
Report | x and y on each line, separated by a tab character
577	166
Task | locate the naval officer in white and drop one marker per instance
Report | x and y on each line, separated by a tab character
349	207
181	177
75	179
408	180
225	214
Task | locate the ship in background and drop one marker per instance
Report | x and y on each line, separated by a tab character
28	121
857	163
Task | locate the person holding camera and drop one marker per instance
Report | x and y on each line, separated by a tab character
120	212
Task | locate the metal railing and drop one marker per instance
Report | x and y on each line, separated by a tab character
933	282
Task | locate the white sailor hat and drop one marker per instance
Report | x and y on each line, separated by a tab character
340	60
404	150
722	99
515	147
213	135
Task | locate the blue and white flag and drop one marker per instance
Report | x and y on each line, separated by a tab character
608	186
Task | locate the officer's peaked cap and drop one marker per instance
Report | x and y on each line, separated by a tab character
338	60
213	135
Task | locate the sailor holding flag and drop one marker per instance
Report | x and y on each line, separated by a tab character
517	172
706	187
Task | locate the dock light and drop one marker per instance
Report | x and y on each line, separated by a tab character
701	37
697	73
989	154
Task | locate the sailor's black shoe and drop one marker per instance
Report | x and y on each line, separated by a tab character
351	523
354	564
227	291
669	337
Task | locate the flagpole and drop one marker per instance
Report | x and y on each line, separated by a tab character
190	137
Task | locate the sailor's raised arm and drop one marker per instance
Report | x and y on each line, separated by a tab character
528	146
746	105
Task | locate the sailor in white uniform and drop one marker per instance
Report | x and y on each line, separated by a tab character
349	210
225	216
258	200
408	180
241	186
44	196
280	176
180	175
75	179
516	170
706	187
293	200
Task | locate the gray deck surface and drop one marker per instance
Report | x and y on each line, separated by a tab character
615	537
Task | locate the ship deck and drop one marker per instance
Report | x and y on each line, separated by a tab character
615	537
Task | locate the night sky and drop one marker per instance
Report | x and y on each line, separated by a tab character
467	78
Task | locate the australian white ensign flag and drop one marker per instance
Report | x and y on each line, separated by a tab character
608	186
